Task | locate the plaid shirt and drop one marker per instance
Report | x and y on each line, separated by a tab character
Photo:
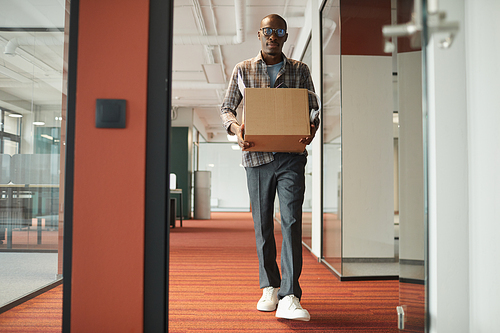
293	74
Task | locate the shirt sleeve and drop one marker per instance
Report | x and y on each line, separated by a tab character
231	102
307	83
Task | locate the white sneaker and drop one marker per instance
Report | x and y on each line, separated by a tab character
269	299
289	308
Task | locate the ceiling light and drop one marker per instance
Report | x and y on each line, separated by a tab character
232	138
15	115
47	136
235	147
39	118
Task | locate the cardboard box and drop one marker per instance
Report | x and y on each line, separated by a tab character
276	119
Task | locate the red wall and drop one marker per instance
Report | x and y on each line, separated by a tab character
108	230
361	26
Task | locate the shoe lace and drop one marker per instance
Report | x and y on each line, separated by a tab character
268	293
295	303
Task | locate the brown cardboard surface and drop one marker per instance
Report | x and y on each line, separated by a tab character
275	119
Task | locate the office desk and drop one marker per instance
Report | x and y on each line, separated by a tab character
8	220
178	191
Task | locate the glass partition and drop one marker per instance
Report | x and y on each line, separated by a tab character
358	142
307	205
332	144
32	100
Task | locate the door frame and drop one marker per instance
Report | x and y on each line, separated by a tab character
157	194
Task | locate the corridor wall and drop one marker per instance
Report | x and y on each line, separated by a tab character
367	132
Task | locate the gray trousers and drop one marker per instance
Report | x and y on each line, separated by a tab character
285	175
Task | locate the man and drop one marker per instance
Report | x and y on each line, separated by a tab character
270	172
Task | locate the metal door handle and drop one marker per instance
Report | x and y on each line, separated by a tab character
436	23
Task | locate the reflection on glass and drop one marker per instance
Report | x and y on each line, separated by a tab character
32	95
331	136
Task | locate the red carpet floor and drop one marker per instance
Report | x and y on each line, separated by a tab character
214	286
41	314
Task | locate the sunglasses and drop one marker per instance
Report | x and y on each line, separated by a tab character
269	31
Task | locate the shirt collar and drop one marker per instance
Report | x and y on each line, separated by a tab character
259	58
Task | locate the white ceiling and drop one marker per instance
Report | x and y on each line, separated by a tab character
190	88
41	63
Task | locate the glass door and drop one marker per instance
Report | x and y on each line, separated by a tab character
386	152
407	38
32	103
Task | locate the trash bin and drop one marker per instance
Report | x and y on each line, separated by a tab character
202	192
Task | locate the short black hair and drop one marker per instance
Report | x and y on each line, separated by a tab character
278	17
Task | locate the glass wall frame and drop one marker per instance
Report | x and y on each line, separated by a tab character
332	137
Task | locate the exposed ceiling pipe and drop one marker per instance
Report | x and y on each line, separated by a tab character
14	43
203	31
219	48
14	75
240	13
285	8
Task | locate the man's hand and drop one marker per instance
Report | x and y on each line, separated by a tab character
239	131
308	139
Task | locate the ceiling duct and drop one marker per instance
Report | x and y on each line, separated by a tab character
14	43
240	13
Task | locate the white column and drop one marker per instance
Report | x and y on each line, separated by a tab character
447	180
483	72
